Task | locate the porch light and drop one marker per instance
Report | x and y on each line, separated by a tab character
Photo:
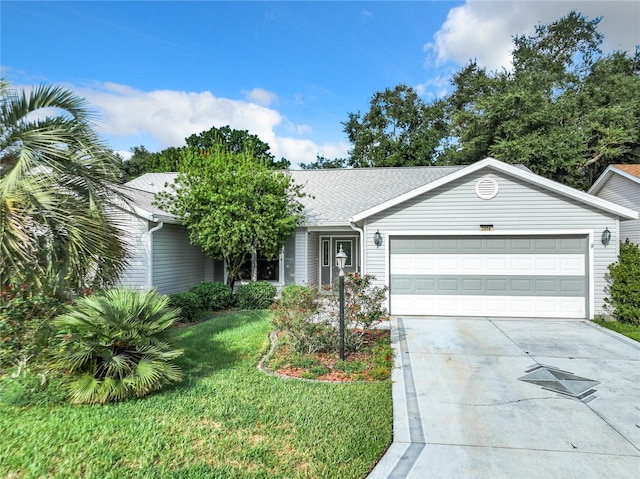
606	236
377	238
341	259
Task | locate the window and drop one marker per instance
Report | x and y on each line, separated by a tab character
325	253
268	269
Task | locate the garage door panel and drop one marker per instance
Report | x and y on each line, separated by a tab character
506	306
514	264
494	276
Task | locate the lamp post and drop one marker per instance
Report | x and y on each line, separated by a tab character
341	258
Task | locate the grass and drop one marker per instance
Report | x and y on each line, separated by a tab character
628	330
226	419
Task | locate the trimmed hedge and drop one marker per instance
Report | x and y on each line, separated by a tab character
190	305
214	296
258	295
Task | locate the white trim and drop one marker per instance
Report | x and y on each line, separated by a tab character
150	253
611	169
511	170
583	232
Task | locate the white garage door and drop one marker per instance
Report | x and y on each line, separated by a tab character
489	276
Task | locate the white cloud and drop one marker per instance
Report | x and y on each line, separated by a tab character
261	96
483	30
129	116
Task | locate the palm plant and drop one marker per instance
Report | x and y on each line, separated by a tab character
55	177
113	346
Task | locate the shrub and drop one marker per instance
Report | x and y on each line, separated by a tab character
189	304
112	346
255	295
214	296
299	297
363	308
623	286
25	326
296	315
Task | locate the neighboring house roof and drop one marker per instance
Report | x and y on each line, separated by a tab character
631	172
336	197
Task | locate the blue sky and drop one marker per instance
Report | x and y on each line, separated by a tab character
290	72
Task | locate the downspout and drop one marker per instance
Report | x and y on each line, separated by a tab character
150	253
362	259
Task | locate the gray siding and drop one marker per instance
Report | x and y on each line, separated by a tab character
624	192
177	264
135	274
519	206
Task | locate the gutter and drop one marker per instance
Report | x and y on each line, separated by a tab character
363	269
150	253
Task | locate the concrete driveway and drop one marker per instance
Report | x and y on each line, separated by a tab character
513	398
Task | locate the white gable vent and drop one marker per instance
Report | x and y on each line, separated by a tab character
486	188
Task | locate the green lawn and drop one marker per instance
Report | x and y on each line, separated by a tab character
628	330
226	419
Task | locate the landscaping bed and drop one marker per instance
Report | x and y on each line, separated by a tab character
372	363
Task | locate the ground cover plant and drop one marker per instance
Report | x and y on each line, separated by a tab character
225	419
629	330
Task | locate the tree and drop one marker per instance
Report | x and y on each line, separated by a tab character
55	177
323	163
398	130
236	141
233	205
564	110
137	164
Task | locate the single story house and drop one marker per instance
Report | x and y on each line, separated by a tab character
621	184
488	239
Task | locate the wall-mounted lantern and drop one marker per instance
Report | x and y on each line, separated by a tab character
377	238
606	236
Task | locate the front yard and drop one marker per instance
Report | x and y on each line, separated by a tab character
226	419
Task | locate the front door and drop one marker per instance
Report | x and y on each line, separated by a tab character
329	247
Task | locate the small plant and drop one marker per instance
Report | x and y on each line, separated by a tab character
112	346
189	304
623	286
256	295
214	296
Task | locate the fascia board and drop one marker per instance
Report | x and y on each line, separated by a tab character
511	170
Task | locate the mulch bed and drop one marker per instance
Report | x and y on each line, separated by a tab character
329	360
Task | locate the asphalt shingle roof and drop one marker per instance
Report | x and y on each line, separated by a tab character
333	195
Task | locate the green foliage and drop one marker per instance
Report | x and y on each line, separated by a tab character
565	111
189	304
623	285
213	295
398	130
57	232
29	388
324	163
113	346
25	326
255	295
235	193
363	307
297	315
295	296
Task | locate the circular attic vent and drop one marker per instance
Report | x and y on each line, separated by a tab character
486	188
